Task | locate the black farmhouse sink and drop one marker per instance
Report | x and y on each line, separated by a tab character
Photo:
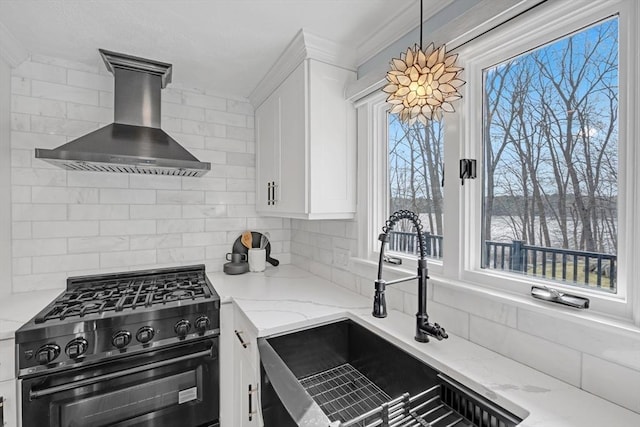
343	374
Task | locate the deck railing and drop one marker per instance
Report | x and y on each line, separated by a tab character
407	242
571	266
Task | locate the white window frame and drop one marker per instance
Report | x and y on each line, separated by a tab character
461	263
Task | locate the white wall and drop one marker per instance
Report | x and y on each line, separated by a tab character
5	177
74	223
598	358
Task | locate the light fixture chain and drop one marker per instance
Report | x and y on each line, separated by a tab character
420	24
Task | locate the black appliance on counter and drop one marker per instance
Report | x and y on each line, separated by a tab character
126	349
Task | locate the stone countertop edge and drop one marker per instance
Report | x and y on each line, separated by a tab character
18	308
287	298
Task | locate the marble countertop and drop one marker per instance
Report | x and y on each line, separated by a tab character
287	298
16	309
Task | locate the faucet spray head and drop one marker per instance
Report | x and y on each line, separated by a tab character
379	301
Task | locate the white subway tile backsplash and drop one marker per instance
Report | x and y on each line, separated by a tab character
20	86
204	211
476	304
32	212
97	179
189	141
241	159
183	112
181	255
21	194
153	241
58	126
38	106
604	342
207	183
229	224
39	247
557	360
240	107
613	382
98	244
234	184
180	197
155	211
202	128
21	266
154	182
180	225
127	196
127	258
204	101
89	113
43	229
21	230
204	238
21	159
29	176
43	194
243	134
20	122
225	197
62	92
68	263
90	80
127	228
225	118
35	282
39	71
84	212
106	99
30	141
225	144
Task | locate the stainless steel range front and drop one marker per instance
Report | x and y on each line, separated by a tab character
127	349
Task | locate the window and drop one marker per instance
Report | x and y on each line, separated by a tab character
558	71
550	130
415	177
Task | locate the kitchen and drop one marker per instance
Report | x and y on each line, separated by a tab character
62	224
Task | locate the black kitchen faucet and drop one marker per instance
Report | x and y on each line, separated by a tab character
423	327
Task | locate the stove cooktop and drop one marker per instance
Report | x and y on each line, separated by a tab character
125	292
113	315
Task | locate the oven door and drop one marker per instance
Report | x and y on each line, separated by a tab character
178	386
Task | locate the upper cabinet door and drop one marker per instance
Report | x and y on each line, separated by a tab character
313	148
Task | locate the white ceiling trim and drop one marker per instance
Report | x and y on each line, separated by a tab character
405	21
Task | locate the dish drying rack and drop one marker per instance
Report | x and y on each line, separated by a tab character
347	396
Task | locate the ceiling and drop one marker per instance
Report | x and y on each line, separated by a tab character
222	45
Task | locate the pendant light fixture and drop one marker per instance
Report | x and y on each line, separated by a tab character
423	83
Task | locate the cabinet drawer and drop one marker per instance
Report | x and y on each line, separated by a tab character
7	360
245	335
9	409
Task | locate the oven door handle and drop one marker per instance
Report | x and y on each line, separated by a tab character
36	394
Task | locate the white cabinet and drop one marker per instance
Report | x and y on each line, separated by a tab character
306	145
240	370
8	390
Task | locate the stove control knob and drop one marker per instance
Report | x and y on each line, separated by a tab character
121	339
47	353
145	334
76	348
182	328
202	324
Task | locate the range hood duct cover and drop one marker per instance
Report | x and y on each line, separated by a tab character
134	143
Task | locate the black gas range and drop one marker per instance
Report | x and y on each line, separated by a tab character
134	348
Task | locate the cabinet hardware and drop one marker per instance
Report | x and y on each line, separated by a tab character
251	391
244	344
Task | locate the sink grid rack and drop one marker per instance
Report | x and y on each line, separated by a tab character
346	395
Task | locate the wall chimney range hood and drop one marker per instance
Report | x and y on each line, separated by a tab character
134	143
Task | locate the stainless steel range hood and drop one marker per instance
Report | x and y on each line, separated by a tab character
134	143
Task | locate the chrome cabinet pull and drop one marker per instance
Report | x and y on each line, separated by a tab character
251	391
244	344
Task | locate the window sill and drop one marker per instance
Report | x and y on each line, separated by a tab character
589	319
